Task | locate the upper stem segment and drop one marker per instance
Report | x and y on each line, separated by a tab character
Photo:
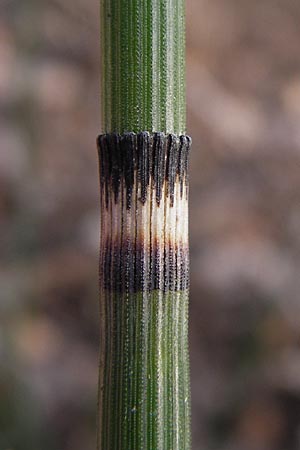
143	66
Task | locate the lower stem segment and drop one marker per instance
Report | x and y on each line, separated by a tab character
144	399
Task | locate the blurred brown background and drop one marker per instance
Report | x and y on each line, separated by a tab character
243	92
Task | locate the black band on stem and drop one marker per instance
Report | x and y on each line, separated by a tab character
159	156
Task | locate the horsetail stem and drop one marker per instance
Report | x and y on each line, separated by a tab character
143	65
144	397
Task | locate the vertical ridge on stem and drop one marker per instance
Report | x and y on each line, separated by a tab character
143	76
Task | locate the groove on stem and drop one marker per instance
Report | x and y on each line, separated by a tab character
143	65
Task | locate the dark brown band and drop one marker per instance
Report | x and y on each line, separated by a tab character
134	269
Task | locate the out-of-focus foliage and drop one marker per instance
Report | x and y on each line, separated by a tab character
243	94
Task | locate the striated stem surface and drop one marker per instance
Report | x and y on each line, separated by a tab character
144	393
143	65
144	400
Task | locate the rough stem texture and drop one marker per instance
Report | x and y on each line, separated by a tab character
144	398
143	65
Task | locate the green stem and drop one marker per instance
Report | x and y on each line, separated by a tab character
147	381
144	400
143	65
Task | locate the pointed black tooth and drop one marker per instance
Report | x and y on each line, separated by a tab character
157	157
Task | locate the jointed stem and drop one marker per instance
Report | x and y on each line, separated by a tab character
144	401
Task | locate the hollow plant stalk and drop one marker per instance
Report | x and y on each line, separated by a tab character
144	394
